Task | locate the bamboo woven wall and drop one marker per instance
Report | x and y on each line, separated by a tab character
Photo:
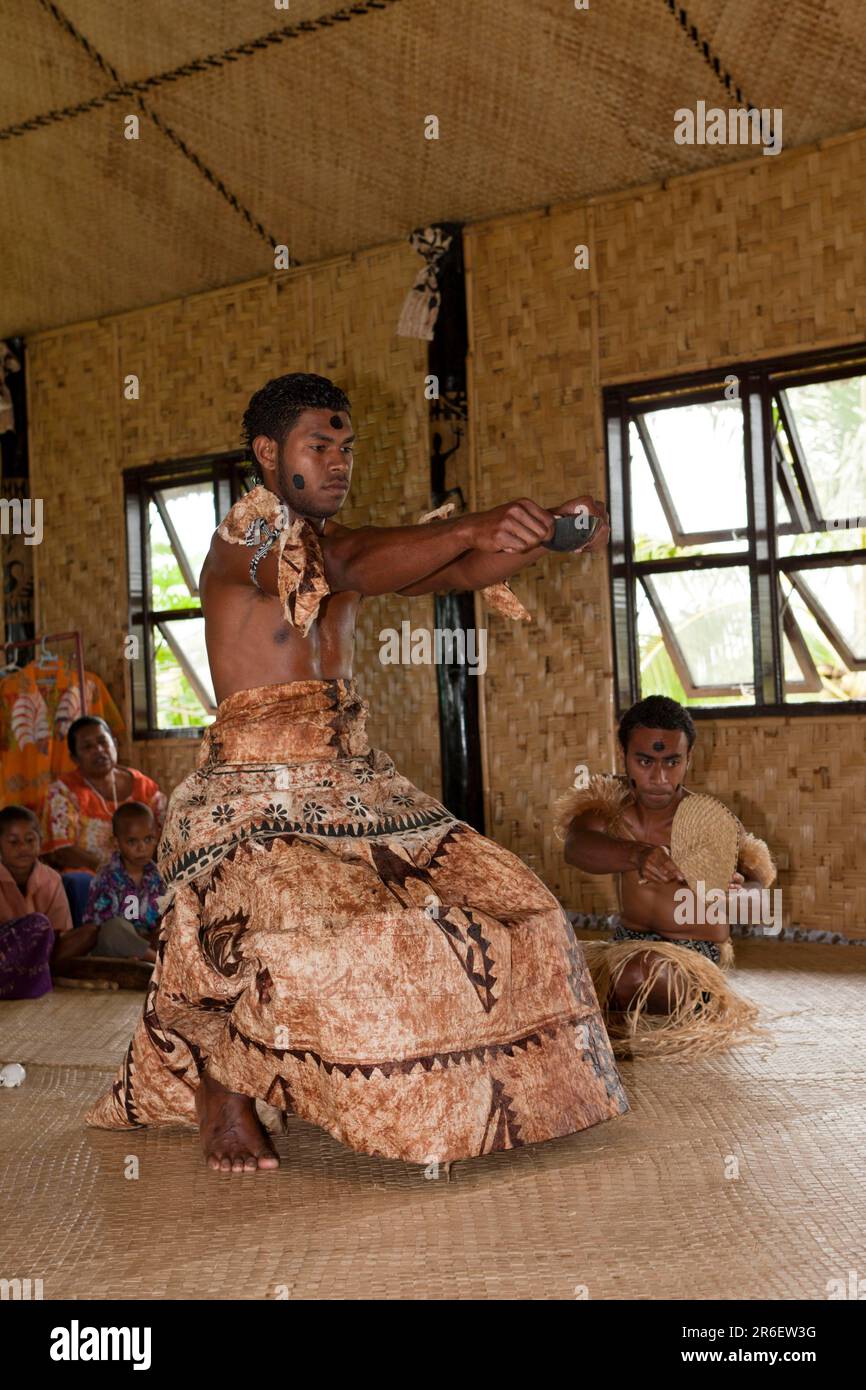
752	261
198	362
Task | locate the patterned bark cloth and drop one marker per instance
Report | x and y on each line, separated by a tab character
337	944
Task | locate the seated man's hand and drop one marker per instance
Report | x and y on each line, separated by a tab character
654	865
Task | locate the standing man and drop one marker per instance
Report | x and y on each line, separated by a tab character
336	943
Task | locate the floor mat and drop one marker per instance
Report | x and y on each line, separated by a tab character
734	1177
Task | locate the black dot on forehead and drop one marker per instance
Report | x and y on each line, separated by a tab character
659	745
336	422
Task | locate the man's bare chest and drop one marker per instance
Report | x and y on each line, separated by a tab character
259	618
648	832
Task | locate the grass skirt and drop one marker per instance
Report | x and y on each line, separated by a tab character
697	1026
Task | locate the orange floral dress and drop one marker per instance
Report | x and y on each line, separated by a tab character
77	815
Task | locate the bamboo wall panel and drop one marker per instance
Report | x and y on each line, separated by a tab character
750	262
798	783
548	685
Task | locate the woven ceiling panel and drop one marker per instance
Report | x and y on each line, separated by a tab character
318	141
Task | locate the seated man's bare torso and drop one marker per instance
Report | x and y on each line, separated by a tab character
649	907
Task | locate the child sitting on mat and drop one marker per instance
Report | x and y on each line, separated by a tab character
123	895
34	910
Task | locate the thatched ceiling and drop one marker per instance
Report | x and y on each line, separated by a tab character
320	138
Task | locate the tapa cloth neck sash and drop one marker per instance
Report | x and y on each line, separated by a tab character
300	565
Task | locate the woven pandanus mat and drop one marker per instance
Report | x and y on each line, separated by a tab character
699	1192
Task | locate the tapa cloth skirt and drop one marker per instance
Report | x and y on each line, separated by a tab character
337	944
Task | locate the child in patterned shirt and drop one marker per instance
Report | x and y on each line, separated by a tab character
123	895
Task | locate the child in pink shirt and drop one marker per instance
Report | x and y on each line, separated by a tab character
34	908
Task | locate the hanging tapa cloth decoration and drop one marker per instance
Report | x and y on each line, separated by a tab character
421	305
499	597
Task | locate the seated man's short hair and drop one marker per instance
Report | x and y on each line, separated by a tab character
656	712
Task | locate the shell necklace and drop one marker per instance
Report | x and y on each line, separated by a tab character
99	793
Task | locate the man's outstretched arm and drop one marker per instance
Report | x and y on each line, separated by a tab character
384	559
394	559
476	569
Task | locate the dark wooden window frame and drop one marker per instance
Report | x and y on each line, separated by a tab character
757	383
227	473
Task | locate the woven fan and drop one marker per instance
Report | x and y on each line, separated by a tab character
705	838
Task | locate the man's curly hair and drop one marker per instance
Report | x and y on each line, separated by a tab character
656	712
274	409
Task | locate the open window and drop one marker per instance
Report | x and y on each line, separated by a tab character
738	507
172	511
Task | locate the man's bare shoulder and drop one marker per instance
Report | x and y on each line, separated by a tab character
591	820
225	560
226	569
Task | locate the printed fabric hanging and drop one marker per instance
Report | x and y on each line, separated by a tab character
36	710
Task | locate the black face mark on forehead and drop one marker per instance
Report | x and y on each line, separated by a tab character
298	481
336	423
659	745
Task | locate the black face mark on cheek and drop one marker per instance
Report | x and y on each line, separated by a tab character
632	781
659	746
336	422
298	481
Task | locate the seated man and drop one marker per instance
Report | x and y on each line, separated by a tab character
622	826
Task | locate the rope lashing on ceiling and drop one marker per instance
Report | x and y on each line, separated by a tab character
209	63
162	126
703	47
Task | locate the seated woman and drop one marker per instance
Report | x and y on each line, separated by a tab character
79	807
662	961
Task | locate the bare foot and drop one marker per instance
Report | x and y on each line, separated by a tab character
231	1134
